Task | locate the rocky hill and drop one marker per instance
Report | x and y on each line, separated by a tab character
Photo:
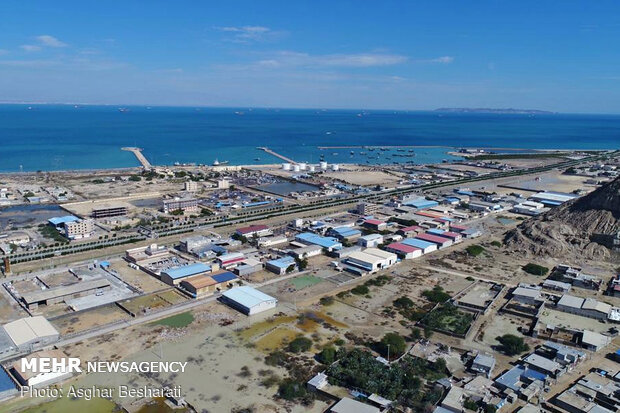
568	228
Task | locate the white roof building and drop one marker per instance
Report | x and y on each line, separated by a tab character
30	331
248	300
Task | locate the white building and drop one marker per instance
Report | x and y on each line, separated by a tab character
248	300
370	241
372	259
82	228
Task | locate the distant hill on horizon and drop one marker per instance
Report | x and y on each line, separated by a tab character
491	110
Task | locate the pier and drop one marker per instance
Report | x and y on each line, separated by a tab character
277	155
141	158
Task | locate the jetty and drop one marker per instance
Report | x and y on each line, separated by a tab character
141	158
277	155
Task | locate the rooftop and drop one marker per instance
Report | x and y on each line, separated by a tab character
187	270
247	296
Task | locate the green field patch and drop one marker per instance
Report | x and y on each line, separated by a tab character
305	281
176	321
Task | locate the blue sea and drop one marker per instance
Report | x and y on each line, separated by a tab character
63	137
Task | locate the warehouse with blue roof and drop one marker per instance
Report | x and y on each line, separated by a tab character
280	265
174	276
421	203
425	246
326	242
248	300
59	222
345	233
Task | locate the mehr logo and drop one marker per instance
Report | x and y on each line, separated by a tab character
51	365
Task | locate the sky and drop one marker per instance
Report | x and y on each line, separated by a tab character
552	55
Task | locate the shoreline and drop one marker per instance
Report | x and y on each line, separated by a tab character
138	168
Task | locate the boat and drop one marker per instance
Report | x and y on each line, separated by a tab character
257	159
123	109
352	153
217	163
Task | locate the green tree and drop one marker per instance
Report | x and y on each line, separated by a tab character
394	342
535	269
403	302
474	250
512	345
327	355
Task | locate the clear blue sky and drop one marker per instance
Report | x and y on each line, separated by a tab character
554	55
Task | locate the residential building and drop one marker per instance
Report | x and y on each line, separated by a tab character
184	204
112	211
484	364
82	228
254	231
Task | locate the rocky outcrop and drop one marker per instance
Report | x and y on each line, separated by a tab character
568	228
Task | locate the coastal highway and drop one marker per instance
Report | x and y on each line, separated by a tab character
326	204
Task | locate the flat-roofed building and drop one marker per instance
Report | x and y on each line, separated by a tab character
79	229
184	204
113	211
248	300
411	231
15	237
484	364
248	266
347	405
271	241
306	252
365	208
544	365
55	295
29	332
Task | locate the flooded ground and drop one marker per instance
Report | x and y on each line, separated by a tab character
23	215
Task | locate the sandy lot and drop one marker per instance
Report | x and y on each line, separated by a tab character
363	176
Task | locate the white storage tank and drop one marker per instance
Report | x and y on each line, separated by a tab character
302	166
286	166
312	168
335	167
296	168
323	165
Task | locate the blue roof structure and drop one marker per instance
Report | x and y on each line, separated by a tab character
247	296
326	242
452	199
418	243
283	262
464	192
346	232
435	231
512	378
255	204
421	203
549	202
5	381
187	270
57	221
224	277
104	264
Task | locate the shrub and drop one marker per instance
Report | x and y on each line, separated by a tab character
360	290
475	250
300	344
535	269
327	355
496	244
329	300
436	295
403	302
291	390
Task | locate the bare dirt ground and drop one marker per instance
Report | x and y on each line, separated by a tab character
365	176
86	320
